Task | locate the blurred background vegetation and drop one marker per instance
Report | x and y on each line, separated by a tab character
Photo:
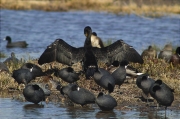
114	6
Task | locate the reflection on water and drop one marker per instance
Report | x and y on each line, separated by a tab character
39	29
16	109
105	115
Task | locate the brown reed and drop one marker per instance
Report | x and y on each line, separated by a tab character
152	7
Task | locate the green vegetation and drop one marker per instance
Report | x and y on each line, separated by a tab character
2	55
108	42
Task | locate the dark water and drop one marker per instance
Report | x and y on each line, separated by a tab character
41	28
19	110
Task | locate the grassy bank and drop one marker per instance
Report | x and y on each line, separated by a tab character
157	69
114	6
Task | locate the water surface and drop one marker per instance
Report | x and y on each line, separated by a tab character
21	110
39	29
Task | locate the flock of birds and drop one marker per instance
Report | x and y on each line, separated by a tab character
117	55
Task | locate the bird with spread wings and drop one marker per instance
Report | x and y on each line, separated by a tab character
64	53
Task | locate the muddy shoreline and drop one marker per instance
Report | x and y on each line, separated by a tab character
129	95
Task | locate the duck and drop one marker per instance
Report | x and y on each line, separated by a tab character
23	76
162	93
67	74
131	72
104	79
12	59
44	86
105	102
149	53
64	90
92	36
175	58
78	95
53	84
160	83
36	70
3	67
144	82
34	93
21	44
120	73
166	53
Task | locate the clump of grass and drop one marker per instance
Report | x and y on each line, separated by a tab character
156	68
2	55
108	42
6	81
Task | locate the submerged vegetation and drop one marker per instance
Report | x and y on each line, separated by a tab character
140	7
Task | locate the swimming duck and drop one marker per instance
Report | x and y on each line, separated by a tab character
11	44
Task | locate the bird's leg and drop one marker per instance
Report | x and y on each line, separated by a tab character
165	111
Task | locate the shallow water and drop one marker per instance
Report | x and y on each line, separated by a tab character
41	28
17	110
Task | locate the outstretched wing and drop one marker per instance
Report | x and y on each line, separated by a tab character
64	53
61	52
49	55
118	51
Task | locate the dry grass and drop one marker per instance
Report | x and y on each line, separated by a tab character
144	7
157	68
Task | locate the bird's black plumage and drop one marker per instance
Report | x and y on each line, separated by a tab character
105	102
34	93
62	52
23	76
67	74
36	70
78	95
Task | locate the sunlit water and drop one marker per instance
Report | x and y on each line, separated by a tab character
19	110
39	29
